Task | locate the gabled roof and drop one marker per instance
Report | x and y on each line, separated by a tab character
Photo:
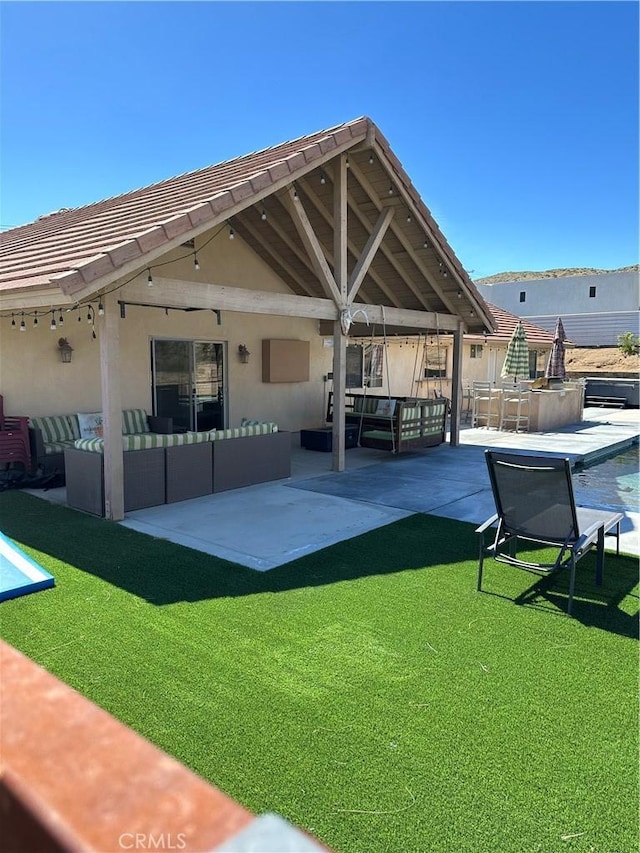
84	249
506	323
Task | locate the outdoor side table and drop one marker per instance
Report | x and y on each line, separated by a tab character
322	438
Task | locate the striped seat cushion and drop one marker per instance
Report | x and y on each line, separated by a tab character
57	427
145	441
134	422
243	431
51	447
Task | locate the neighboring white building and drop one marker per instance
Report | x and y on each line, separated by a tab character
595	308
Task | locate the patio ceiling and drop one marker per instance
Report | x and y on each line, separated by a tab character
281	202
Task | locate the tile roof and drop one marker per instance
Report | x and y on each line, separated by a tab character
124	227
506	323
83	249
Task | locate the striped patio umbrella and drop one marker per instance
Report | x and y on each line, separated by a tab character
555	366
516	362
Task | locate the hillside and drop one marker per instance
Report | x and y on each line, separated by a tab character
601	360
560	273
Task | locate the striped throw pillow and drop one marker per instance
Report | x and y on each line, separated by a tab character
57	427
134	422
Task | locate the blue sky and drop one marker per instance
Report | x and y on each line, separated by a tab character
516	121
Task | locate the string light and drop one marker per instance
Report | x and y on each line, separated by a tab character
196	265
23	325
35	318
371	159
231	234
53	325
391	189
88	315
100	309
459	294
408	217
13	322
426	243
347	162
323	180
60	319
149	278
263	215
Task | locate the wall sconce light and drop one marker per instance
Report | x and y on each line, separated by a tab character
243	353
65	350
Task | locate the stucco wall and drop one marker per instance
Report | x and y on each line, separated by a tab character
34	381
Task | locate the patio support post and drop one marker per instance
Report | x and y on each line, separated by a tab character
456	386
339	337
112	409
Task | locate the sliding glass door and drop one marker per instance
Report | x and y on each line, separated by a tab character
188	383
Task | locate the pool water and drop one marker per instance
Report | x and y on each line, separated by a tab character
613	483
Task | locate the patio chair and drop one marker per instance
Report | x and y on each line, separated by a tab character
535	504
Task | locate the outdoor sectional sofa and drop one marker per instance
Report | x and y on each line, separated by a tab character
165	467
51	435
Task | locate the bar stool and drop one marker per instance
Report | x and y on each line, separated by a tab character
514	409
485	405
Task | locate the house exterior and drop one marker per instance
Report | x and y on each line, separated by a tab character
595	308
211	297
422	365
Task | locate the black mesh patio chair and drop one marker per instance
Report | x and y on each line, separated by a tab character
535	504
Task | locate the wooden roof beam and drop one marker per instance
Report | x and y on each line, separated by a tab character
370	249
364	221
366	186
176	293
311	243
317	203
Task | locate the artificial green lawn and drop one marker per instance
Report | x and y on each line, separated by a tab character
367	692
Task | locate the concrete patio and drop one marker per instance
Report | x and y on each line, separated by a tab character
270	524
266	525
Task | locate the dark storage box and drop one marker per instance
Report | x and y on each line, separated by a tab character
322	438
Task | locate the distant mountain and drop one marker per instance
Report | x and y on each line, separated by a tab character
564	273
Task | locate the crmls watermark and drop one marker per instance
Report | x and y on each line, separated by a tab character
150	841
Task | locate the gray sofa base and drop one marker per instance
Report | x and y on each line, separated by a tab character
169	474
239	462
143	475
189	471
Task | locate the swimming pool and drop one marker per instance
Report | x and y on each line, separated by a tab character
613	483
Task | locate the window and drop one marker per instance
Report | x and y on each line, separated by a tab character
435	362
373	355
592	291
476	350
523	296
364	365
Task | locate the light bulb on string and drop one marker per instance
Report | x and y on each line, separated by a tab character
60	319
35	318
13	322
53	325
196	264
231	234
100	309
263	215
23	325
149	279
323	180
89	315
